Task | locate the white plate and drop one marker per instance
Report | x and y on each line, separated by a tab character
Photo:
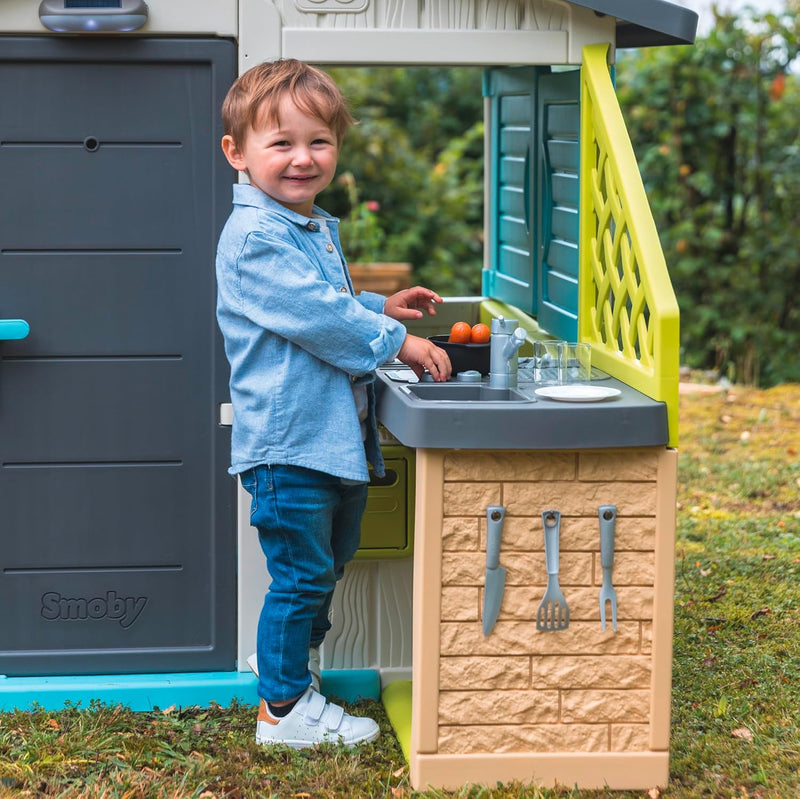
577	393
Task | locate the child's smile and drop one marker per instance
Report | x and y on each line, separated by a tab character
291	159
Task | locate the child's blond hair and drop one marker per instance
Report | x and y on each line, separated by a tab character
254	98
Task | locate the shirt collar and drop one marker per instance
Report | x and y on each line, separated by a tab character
245	194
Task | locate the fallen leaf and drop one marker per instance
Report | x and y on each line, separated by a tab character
399	772
709	662
723	589
745	436
769	557
170	709
654	793
760	612
398	791
743	733
53	723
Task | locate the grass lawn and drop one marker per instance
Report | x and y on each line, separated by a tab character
736	686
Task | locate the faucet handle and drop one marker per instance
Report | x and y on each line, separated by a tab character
504	327
513	343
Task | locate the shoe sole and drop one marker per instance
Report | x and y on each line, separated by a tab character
308	744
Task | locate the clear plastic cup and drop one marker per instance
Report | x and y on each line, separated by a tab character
546	362
575	362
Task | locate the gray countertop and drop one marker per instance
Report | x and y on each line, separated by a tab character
630	419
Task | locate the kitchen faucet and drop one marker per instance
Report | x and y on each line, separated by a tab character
507	337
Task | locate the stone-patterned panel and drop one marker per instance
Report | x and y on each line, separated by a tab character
591	671
576	498
461	465
519	689
522	638
633	602
460	603
523	533
630	737
470	499
461	534
592	705
524	738
485	673
498	707
624	464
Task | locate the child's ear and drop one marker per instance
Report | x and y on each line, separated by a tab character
232	153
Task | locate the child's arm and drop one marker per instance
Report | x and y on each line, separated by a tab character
409	303
276	290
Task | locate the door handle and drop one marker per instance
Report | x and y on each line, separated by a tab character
13	329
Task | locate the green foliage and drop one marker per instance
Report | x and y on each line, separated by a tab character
716	129
362	236
416	155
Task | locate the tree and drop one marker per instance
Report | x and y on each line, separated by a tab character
416	157
716	129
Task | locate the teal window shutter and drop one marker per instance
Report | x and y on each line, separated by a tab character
533	213
559	122
511	275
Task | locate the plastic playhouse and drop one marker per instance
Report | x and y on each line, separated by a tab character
512	600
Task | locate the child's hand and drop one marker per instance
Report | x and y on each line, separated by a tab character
409	303
421	354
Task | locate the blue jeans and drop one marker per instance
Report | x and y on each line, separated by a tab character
309	527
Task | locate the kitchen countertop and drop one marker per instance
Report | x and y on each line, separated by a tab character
631	419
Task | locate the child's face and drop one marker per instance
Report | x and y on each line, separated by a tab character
291	160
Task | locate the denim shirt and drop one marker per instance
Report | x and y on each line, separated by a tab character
297	340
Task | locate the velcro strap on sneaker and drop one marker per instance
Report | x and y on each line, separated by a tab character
315	708
333	717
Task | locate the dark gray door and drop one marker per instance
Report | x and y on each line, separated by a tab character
117	531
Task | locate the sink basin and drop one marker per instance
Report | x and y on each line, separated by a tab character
464	392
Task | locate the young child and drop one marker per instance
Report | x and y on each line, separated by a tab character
302	350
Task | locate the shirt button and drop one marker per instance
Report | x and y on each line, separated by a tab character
343	289
312	226
329	247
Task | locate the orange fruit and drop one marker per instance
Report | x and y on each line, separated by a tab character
480	334
460	333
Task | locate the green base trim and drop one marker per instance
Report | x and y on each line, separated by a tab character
397	701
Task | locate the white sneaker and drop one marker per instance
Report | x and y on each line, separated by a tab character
314	720
313	666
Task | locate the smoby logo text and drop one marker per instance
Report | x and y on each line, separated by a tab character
125	610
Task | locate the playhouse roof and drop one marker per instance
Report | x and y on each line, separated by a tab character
644	23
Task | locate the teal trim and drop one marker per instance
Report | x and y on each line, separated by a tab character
350	685
145	692
13	329
136	691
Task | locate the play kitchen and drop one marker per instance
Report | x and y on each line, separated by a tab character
543	556
512	600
